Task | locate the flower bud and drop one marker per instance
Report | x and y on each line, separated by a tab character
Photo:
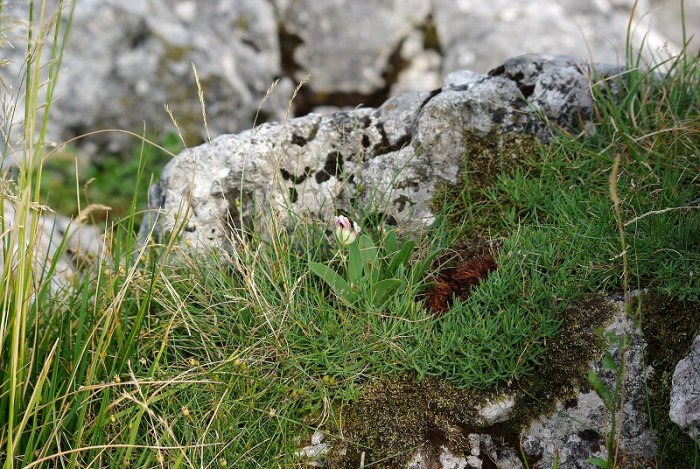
345	234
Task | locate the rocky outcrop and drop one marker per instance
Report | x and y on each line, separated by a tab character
576	430
392	158
124	60
570	432
685	394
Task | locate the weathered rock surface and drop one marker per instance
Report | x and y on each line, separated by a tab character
576	430
392	158
125	59
314	452
483	452
685	394
347	46
479	35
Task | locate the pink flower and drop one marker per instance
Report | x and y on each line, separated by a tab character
345	234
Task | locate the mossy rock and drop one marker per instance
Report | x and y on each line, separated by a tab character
397	416
669	327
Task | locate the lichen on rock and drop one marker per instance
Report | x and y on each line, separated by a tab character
392	159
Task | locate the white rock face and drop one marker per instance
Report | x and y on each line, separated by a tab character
685	393
482	453
497	411
347	45
124	60
391	158
479	35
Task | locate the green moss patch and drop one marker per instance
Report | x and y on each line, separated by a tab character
486	157
669	327
395	417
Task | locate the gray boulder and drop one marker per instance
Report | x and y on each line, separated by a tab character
392	158
685	394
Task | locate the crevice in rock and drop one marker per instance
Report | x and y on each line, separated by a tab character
333	167
517	78
307	99
293	195
526	90
497	72
139	36
401	201
238	211
422	105
288	45
589	435
431	39
366	121
287	176
251	44
385	146
365	141
298	140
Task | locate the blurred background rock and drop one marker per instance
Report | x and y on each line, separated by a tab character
124	60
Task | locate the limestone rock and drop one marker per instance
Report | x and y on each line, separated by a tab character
392	157
575	431
478	35
685	394
314	453
483	452
496	411
124	60
347	45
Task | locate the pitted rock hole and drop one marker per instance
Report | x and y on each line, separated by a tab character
332	168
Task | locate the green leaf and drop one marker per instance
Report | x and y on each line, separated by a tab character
369	253
401	257
609	362
383	289
422	267
600	462
354	263
391	245
335	281
600	389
